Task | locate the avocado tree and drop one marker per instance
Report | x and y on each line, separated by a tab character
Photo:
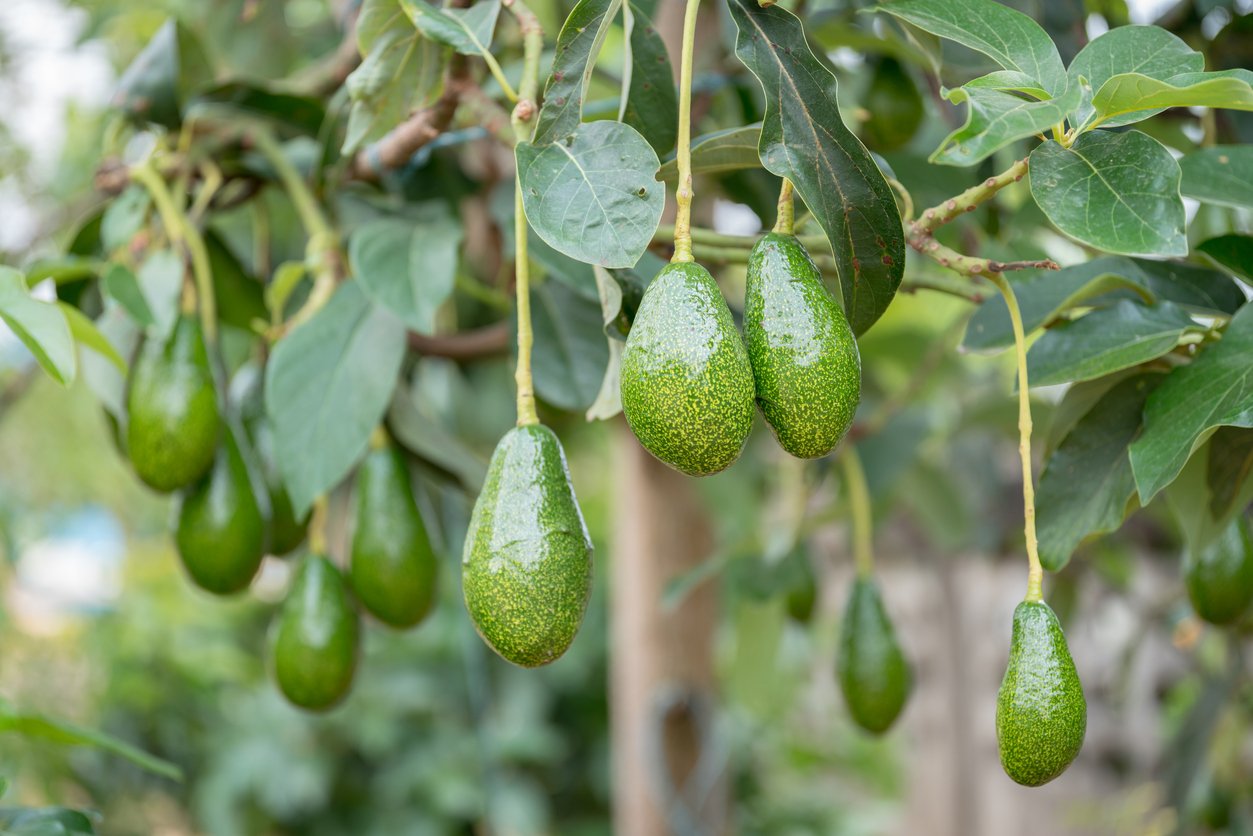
285	274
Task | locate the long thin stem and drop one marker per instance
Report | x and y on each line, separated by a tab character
683	152
859	505
700	235
1035	573
785	219
317	527
499	75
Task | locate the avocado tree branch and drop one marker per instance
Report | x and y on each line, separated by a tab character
488	341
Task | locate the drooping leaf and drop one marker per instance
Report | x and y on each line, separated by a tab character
730	150
608	401
158	83
1127	94
804	140
651	105
468	31
408	266
1118	192
578	44
1106	340
1230	465
570	353
1087	487
41	326
1214	390
327	385
1232	252
1148	50
69	734
994	119
1222	175
86	334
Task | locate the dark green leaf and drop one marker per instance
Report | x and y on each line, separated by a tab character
41	326
804	140
468	31
1118	192
1231	252
121	285
69	734
994	119
1148	50
729	150
1230	465
578	44
1214	390
570	353
652	103
1129	94
303	114
408	266
1222	175
45	821
1198	288
158	83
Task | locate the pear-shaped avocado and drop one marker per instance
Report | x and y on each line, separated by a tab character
173	421
1041	715
687	388
1220	577
221	534
527	566
804	357
315	639
873	672
393	569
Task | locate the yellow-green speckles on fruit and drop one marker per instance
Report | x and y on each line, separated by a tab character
687	388
1220	576
315	639
1041	715
527	566
874	675
804	357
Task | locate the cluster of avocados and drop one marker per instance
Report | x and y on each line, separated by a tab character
179	440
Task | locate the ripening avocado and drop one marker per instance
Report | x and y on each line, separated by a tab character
393	568
1220	577
687	388
173	422
873	672
1041	715
315	638
804	357
221	533
527	566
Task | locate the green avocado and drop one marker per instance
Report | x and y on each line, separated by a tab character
527	566
802	586
804	357
221	534
1220	577
315	638
873	672
1041	715
687	388
393	569
173	412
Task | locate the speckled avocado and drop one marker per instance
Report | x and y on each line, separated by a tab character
393	569
315	638
1220	577
173	420
803	354
527	566
873	672
221	534
1041	715
687	388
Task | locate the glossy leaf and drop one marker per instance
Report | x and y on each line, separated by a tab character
651	105
41	326
327	385
1009	81
1232	252
730	150
468	31
570	354
1128	94
1214	390
994	119
408	266
1148	50
578	44
1118	192
804	140
1222	175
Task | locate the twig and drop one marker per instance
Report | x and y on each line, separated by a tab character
489	341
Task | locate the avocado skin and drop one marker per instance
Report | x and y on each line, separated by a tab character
873	672
1220	577
316	637
173	421
1041	715
285	532
221	534
393	569
527	565
804	357
687	388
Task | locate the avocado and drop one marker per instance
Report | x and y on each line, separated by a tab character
1041	715
393	569
527	565
1220	577
687	388
173	422
315	638
221	534
804	356
802	587
873	672
894	105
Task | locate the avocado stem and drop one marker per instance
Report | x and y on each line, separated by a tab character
859	507
1035	572
683	152
785	219
379	438
317	527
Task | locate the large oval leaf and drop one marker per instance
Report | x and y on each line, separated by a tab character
407	266
40	325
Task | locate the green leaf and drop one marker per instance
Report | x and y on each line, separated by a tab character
69	734
894	104
124	217
1214	390
1191	501
1230	465
1148	50
1199	289
102	376
804	140
85	333
327	385
593	195
608	400
570	354
420	430
1232	252
468	31
39	325
1009	81
287	277
160	281
578	44
730	150
1222	175
1008	37
994	119
651	105
1087	487
45	821
302	114
63	270
157	84
240	297
1129	94
121	286
408	266
1118	192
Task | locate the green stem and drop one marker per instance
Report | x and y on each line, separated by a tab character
683	153
499	75
969	199
785	219
859	505
317	527
700	235
1035	573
